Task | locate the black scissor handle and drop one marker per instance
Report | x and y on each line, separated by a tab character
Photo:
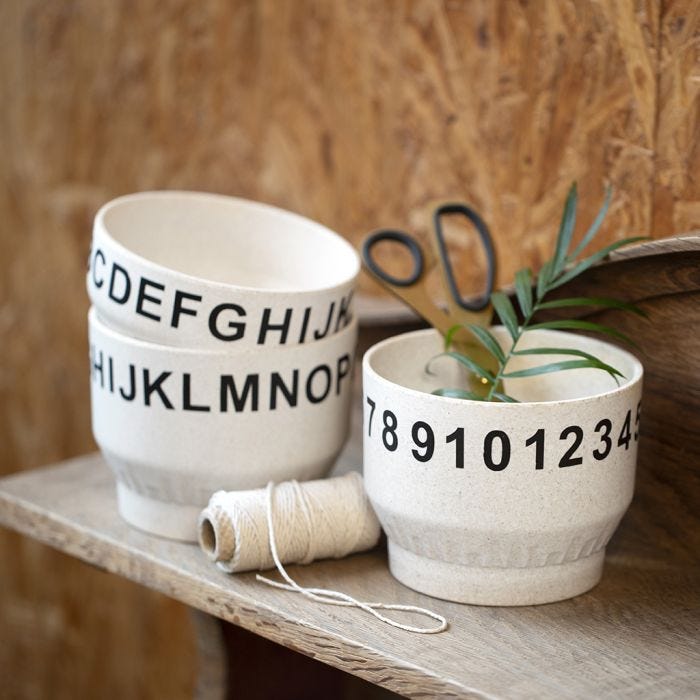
454	208
398	237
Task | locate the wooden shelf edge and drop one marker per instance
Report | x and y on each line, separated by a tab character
63	535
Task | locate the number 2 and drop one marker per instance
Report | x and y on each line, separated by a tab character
568	460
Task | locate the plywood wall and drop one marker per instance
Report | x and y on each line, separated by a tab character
357	113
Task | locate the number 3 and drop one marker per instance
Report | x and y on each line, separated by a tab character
606	426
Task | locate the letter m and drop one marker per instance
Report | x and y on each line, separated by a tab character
229	390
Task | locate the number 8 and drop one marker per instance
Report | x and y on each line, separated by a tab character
390	423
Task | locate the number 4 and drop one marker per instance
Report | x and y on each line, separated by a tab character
626	432
372	405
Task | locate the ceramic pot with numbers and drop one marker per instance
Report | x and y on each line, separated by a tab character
499	503
198	270
176	424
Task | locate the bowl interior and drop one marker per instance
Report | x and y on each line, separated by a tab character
402	360
229	240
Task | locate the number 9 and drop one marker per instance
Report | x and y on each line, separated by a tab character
427	444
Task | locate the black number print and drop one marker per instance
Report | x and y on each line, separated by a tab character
606	427
568	460
538	441
458	438
625	433
636	422
372	405
488	450
389	437
426	443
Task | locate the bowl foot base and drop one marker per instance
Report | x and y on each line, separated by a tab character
495	585
175	521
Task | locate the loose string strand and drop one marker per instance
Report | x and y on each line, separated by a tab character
331	597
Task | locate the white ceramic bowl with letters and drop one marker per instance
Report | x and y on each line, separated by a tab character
499	503
176	425
198	270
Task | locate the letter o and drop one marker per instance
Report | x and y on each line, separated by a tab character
316	398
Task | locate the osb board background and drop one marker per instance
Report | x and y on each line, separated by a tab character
358	114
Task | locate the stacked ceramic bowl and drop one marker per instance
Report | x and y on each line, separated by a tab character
222	343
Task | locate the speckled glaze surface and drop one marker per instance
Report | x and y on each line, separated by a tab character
198	270
176	425
491	503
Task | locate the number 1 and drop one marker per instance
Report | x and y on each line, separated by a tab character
538	441
458	438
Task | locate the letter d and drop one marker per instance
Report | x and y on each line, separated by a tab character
116	268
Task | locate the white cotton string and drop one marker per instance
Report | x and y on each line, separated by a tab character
298	523
331	597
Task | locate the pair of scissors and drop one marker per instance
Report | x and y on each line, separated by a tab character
412	288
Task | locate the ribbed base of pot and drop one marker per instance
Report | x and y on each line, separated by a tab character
172	520
495	586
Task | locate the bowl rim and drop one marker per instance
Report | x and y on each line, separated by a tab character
252	205
95	321
367	369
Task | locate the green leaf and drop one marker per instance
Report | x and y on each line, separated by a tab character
556	351
553	274
564	365
467	362
523	290
592	260
504	397
458	394
592	301
575	324
506	312
566	231
449	336
487	339
543	279
590	234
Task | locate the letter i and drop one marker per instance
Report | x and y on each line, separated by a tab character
305	324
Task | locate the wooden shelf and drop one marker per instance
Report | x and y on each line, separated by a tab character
635	635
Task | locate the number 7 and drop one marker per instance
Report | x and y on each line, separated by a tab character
372	405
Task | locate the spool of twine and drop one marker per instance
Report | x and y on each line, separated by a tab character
326	518
293	523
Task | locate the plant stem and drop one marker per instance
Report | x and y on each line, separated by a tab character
509	354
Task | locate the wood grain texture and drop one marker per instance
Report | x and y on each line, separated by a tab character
634	635
676	181
356	113
663	279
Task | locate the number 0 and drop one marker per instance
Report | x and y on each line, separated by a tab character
488	450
